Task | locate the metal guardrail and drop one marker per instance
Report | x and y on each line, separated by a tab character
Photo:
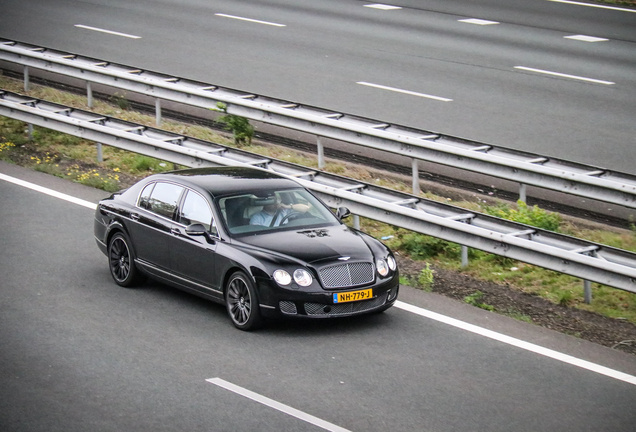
525	168
576	257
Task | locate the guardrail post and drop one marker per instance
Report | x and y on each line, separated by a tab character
522	192
464	256
416	176
587	291
356	222
321	154
26	79
89	94
26	89
158	112
100	155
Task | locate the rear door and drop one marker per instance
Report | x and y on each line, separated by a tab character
153	219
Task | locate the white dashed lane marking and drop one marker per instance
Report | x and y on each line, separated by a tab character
276	405
408	92
107	31
250	20
562	75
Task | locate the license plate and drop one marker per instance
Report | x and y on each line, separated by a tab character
352	296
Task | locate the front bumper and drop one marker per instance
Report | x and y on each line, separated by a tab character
295	304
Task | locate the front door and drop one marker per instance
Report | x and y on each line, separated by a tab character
193	256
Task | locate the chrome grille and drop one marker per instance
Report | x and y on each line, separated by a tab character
346	274
342	309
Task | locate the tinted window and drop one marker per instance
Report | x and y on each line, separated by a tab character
164	199
144	198
251	213
196	210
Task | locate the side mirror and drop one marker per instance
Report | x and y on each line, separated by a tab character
199	230
343	213
195	230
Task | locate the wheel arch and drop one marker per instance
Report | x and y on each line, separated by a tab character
117	227
230	271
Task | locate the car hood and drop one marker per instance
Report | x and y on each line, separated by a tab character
315	245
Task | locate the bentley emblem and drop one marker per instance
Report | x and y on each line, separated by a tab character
344	258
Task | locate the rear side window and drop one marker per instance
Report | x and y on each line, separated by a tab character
144	198
161	198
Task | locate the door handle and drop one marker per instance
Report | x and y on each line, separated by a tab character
175	231
134	216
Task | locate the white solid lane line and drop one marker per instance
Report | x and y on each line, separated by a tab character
276	405
250	20
107	31
562	75
408	92
594	5
404	306
565	358
48	191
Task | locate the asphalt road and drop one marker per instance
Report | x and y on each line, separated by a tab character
79	353
521	81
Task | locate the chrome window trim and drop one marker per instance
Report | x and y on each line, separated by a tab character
186	189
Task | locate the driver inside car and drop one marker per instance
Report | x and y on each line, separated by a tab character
274	212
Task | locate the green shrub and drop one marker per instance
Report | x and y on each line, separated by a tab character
240	126
120	100
426	278
423	246
474	300
565	298
533	216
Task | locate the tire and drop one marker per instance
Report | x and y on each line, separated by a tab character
121	261
242	303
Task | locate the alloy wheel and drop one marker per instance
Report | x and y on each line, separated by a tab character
239	301
119	259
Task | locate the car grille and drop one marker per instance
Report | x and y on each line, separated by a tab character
315	309
288	307
346	275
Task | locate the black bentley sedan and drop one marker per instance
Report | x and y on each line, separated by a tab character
253	240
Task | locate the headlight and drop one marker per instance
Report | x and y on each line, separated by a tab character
392	263
303	277
382	267
282	277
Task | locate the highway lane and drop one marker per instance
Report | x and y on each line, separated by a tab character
326	48
80	353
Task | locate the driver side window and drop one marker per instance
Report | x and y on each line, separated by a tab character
196	210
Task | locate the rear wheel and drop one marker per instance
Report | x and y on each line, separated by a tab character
121	261
242	303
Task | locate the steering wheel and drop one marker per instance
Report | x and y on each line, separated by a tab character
294	214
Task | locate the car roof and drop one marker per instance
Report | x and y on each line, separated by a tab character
230	180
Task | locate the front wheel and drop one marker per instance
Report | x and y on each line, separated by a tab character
121	261
242	303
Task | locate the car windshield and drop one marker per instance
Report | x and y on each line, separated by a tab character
255	213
